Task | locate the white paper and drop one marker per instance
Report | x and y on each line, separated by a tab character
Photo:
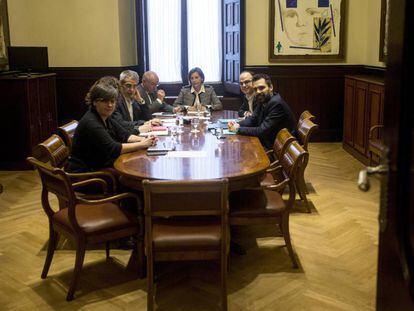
186	154
155	133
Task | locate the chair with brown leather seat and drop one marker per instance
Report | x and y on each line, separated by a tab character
66	131
84	221
375	143
305	130
54	151
282	141
186	220
266	205
306	115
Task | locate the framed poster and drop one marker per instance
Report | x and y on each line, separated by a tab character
383	31
306	30
4	33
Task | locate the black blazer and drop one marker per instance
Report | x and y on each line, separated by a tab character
245	106
268	119
122	116
151	102
96	144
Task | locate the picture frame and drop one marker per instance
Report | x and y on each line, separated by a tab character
306	30
383	31
4	33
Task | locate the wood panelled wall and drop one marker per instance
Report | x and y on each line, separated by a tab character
319	89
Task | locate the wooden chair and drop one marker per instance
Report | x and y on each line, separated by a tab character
267	206
66	131
306	115
84	221
54	151
186	220
375	143
305	130
282	141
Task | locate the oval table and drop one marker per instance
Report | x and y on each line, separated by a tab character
241	159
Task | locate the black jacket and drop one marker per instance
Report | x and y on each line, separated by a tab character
245	106
121	115
96	144
268	119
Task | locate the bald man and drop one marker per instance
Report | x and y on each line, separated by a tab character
154	98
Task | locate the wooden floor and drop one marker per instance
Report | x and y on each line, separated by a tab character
336	245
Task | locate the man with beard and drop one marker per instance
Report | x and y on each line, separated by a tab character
271	115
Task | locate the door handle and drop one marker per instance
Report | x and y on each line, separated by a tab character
363	180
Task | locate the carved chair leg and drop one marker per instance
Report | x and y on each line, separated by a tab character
150	284
286	236
223	272
80	256
107	249
53	239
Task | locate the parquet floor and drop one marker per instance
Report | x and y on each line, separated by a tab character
336	245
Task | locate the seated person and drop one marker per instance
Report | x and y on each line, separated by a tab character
270	116
131	111
248	101
154	98
197	95
100	139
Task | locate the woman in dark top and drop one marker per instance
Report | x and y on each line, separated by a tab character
99	139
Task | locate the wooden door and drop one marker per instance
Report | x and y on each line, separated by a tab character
231	45
349	111
395	282
360	117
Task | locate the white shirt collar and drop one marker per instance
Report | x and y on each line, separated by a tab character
202	89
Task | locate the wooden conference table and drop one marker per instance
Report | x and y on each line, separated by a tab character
241	159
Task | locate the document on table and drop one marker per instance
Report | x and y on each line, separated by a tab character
186	154
155	133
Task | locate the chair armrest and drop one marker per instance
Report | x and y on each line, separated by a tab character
274	168
113	198
373	128
86	182
95	174
270	151
277	187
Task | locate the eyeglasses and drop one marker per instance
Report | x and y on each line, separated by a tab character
130	86
243	83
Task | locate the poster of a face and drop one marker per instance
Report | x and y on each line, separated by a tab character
307	27
3	29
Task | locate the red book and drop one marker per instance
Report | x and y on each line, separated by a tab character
159	128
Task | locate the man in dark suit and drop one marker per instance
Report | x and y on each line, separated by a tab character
154	98
248	101
270	116
131	111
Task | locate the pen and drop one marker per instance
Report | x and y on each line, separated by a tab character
164	145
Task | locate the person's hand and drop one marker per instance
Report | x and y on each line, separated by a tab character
149	141
145	128
176	109
161	95
233	126
200	107
137	97
247	114
155	121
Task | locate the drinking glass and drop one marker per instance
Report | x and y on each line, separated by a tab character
194	125
179	122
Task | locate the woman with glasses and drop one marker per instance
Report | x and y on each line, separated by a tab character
197	96
100	139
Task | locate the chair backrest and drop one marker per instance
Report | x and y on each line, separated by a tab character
306	115
66	131
292	161
185	198
52	150
54	180
305	130
282	141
